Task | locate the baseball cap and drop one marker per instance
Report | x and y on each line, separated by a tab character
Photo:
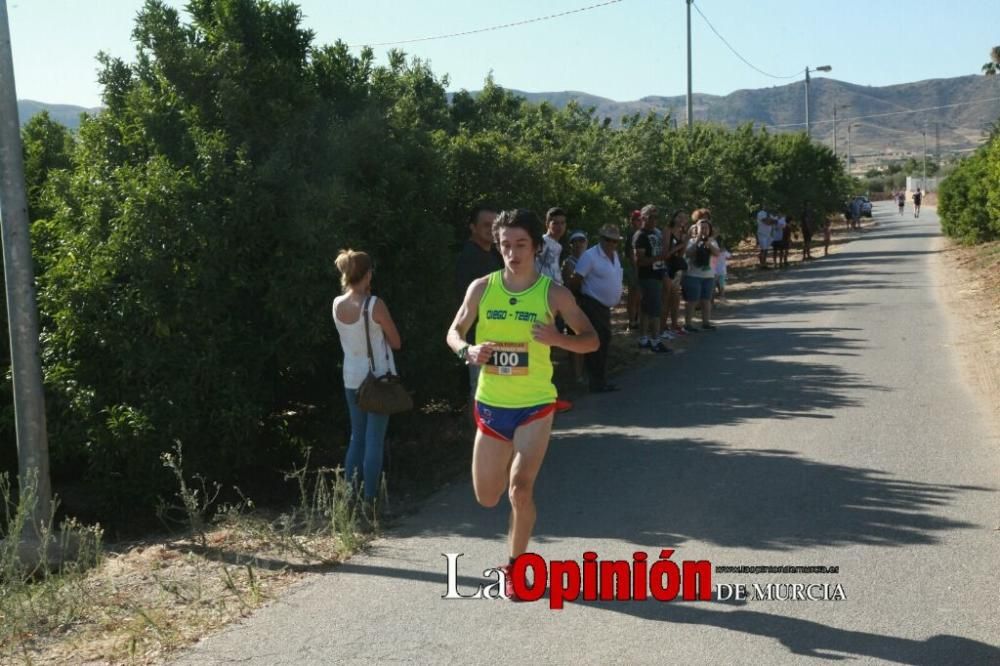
577	235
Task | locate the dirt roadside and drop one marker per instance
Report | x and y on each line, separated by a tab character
968	280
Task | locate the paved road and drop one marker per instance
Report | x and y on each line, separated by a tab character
826	424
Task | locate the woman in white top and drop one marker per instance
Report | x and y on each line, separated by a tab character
364	453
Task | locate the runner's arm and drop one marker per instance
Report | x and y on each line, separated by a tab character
464	319
562	302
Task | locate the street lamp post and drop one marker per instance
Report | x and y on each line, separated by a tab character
923	181
822	68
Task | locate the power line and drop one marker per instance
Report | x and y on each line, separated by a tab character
494	27
737	53
893	113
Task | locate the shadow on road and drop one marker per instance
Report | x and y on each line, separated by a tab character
663	493
812	639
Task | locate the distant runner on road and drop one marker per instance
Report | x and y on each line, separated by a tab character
917	197
901	201
515	397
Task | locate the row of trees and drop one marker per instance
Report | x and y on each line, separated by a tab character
184	238
969	198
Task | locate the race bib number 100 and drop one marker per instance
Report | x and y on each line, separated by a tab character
508	359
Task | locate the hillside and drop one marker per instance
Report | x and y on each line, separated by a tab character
67	114
959	128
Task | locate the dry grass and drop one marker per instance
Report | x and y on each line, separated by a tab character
141	602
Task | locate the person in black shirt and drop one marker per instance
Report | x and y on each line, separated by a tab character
477	258
651	260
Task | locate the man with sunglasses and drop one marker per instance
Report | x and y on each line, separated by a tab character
598	277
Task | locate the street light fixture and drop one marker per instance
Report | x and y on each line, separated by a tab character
822	68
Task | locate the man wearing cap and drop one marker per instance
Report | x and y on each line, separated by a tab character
598	276
765	224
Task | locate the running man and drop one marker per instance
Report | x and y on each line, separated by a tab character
901	201
917	198
515	398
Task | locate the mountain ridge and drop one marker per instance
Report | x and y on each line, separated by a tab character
883	121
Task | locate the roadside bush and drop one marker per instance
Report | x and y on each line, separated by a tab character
969	198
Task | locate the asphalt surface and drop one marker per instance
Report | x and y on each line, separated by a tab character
826	423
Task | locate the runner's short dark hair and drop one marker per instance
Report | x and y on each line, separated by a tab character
520	218
555	211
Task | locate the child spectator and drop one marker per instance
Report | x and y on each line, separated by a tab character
719	262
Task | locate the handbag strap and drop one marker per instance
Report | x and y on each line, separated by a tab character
368	340
368	336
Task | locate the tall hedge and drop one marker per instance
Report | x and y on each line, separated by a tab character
969	198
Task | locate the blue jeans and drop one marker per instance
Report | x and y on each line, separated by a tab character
364	453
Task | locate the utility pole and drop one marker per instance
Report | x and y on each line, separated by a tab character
849	125
22	312
690	101
834	130
808	127
937	145
822	68
923	182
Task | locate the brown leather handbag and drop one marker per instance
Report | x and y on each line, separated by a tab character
385	394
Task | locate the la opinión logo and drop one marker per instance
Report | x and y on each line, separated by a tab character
592	579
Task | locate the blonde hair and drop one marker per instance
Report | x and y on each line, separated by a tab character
700	213
353	267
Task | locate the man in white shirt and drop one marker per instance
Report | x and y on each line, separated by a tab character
764	224
549	261
599	278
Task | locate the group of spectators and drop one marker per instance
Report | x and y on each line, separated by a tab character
775	231
684	260
657	268
594	275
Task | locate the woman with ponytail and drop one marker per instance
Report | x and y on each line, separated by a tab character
364	453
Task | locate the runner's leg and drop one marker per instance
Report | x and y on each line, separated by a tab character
531	441
490	460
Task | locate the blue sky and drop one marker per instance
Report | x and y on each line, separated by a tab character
622	51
